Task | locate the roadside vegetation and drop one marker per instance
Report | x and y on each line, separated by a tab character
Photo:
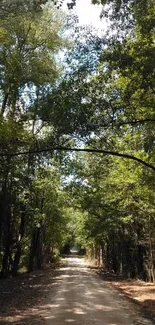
77	136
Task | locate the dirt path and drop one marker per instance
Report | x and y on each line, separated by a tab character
71	294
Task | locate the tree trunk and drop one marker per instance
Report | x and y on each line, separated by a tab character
7	254
32	251
19	243
4	103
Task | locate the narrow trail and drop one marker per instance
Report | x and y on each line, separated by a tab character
77	295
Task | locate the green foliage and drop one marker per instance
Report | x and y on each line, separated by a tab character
103	100
11	7
116	206
28	45
29	41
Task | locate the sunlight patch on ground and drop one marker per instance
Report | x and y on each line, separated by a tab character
89	293
105	308
69	320
79	311
49	317
55	306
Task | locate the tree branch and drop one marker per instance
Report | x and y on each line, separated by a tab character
100	151
137	121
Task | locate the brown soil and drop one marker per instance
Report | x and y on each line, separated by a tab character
19	296
139	291
71	292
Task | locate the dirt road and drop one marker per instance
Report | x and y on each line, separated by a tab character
76	295
83	299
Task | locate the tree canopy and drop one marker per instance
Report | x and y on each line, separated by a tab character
77	136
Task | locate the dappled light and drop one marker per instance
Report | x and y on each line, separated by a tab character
77	162
74	294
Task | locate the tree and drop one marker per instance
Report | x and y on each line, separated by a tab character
12	7
28	44
114	205
104	100
29	41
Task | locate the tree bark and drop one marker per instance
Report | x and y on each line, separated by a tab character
19	243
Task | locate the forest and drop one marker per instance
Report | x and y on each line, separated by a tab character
77	135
